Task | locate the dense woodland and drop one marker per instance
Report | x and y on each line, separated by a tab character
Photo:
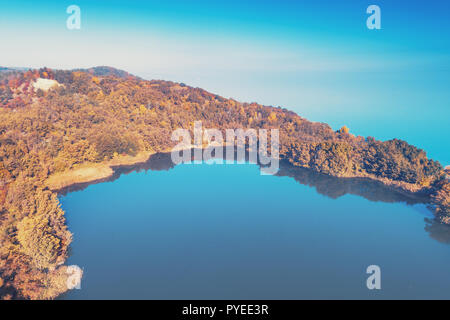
98	114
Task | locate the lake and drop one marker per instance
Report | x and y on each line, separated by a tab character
201	231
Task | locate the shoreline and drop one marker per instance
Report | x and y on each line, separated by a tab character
92	173
88	173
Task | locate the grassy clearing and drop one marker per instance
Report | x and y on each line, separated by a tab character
89	172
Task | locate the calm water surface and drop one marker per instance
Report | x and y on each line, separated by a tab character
226	232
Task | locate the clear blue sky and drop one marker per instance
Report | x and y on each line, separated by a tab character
314	57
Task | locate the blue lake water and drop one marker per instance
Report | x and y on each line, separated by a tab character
199	231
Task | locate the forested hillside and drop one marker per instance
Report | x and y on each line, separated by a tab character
100	114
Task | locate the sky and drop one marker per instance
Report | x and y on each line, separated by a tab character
317	58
